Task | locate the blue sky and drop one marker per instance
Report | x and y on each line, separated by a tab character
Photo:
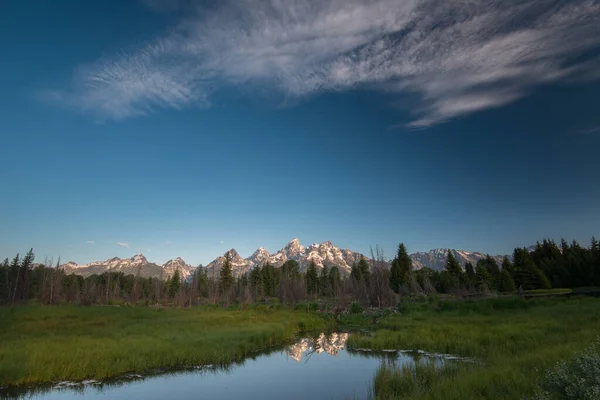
187	128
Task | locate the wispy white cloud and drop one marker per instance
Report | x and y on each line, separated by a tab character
90	242
123	244
453	57
589	131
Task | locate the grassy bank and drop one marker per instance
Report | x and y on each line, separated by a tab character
514	340
42	344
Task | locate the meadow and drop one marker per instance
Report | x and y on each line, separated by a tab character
43	344
513	342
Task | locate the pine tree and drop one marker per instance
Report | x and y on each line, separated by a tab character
312	278
334	280
482	276
527	274
4	285
226	279
290	270
269	277
492	268
174	284
256	283
469	274
365	273
355	272
452	266
508	266
13	278
507	284
202	281
400	269
324	281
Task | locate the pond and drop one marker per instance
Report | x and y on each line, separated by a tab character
318	367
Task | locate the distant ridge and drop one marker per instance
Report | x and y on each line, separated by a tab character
131	266
324	254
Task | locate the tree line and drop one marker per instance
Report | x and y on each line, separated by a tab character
370	282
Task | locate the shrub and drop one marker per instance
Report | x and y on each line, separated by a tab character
578	378
356	308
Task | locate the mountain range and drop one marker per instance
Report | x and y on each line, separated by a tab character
324	254
131	266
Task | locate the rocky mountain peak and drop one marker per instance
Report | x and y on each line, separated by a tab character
294	243
232	253
178	262
137	264
294	249
260	254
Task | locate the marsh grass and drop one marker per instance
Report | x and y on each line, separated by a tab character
44	344
410	380
512	339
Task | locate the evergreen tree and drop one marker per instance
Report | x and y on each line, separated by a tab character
493	270
355	272
527	274
324	281
452	266
256	283
400	269
226	279
334	280
13	278
507	284
23	284
202	280
312	278
443	281
365	273
290	270
482	276
174	284
469	274
508	266
4	285
270	279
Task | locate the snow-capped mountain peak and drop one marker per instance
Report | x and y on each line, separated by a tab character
135	265
321	254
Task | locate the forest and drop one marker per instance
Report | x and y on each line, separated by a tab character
373	282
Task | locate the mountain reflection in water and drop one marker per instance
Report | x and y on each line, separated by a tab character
330	344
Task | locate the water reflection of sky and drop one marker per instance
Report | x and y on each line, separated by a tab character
317	367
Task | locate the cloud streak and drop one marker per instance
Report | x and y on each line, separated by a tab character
123	244
451	58
589	131
91	242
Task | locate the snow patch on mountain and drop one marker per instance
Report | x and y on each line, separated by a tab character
324	254
135	265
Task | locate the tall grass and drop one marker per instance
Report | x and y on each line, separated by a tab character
411	380
43	344
512	340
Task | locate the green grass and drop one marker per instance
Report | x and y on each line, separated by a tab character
514	341
43	344
547	292
413	379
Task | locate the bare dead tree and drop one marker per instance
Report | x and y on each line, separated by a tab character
381	294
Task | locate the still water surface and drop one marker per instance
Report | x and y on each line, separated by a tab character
313	368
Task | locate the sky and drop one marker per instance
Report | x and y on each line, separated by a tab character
186	128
